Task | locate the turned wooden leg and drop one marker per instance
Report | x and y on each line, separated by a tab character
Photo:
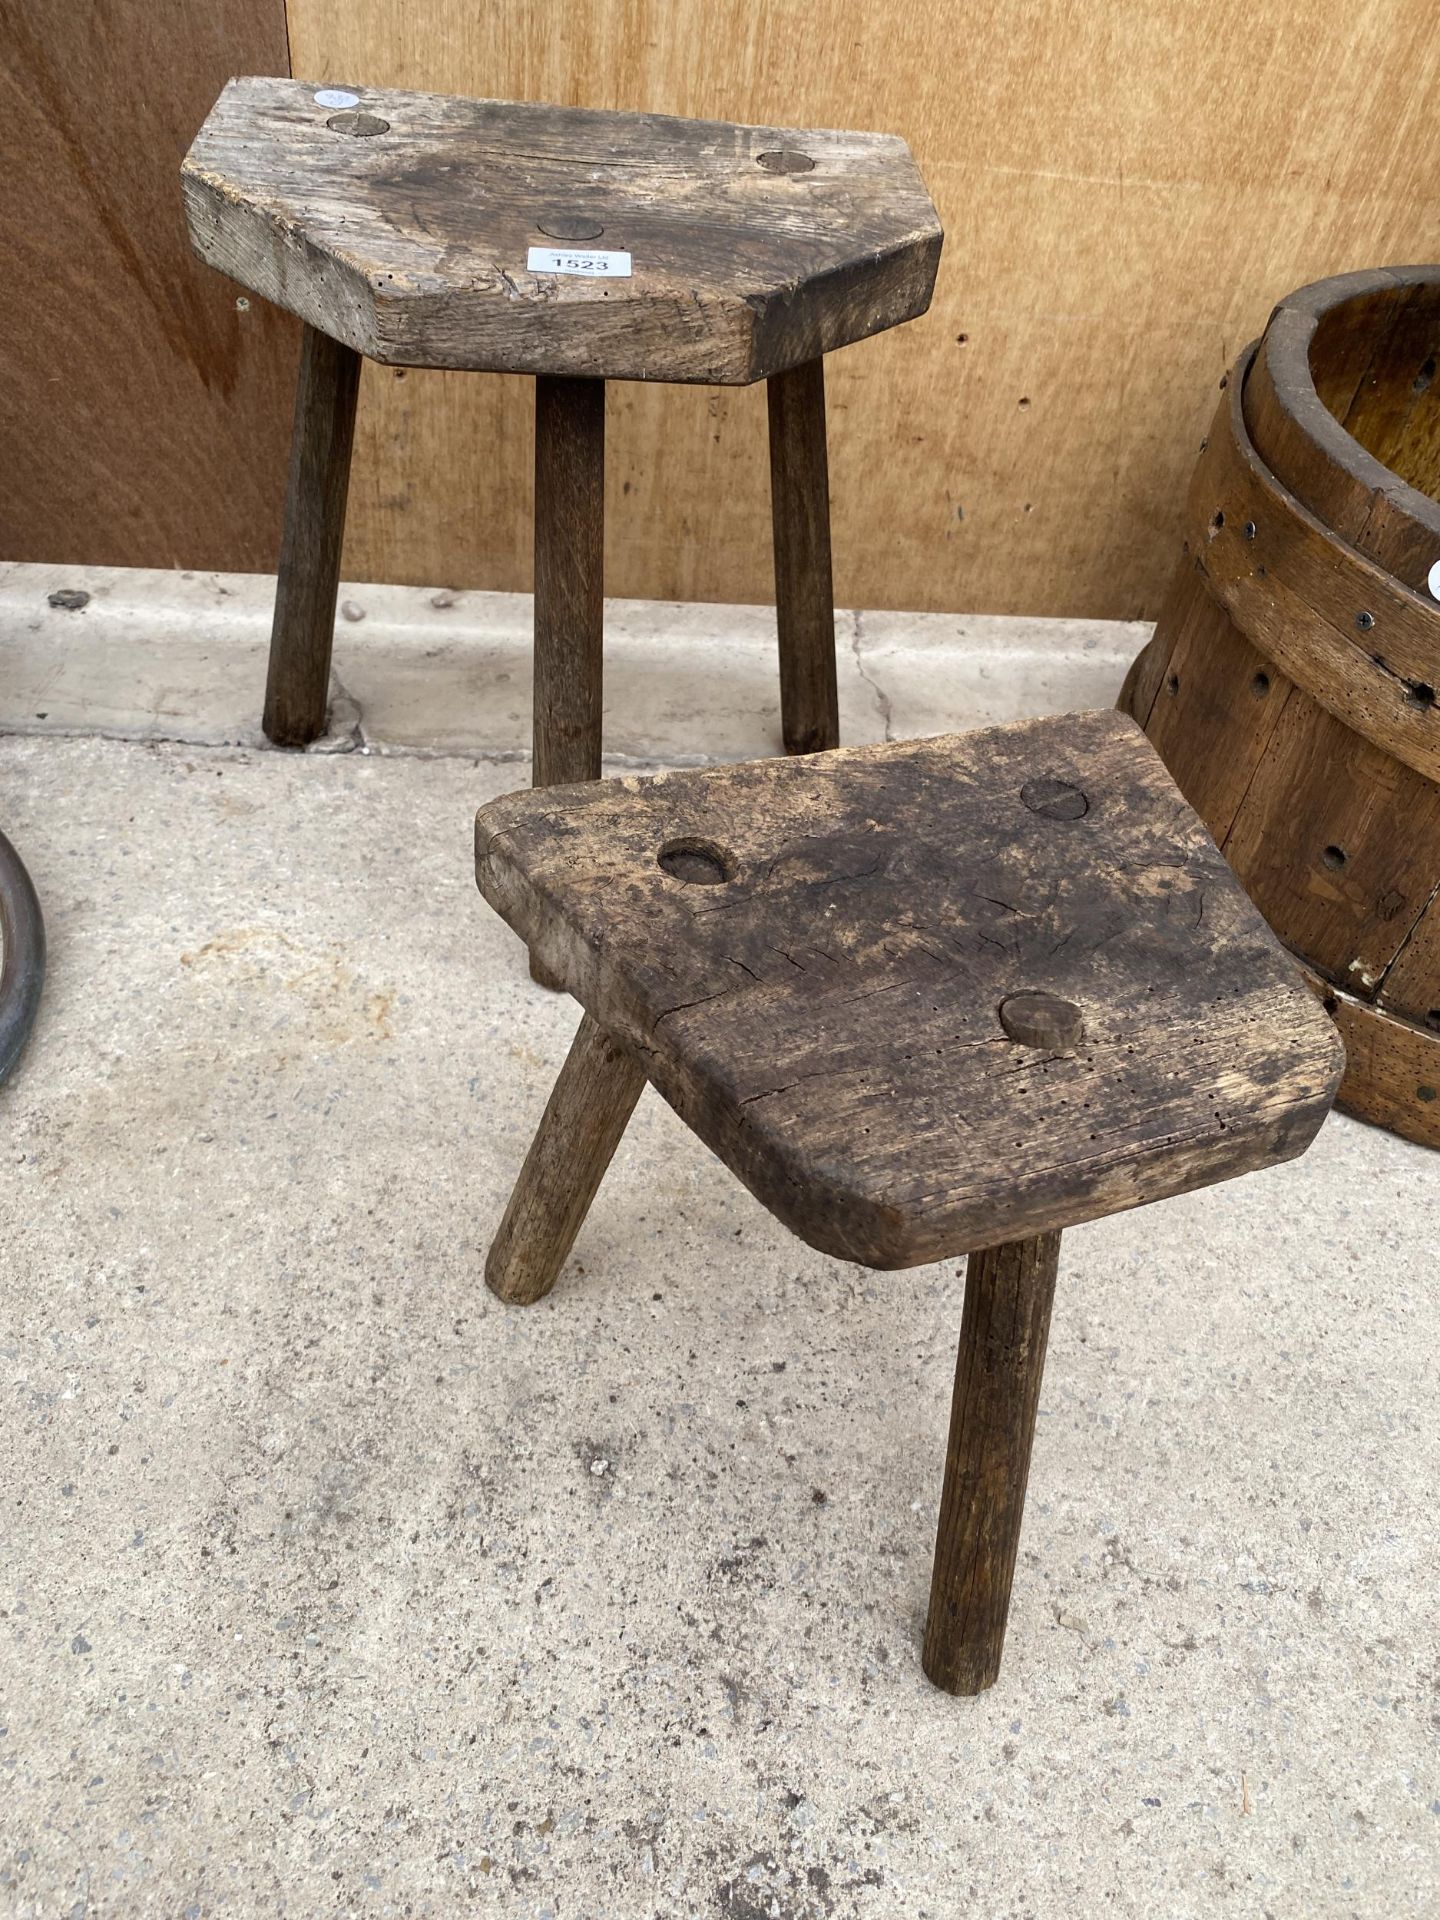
297	692
1008	1293
569	583
804	597
591	1102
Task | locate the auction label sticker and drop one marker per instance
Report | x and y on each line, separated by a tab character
593	264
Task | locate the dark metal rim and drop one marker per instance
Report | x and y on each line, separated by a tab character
22	972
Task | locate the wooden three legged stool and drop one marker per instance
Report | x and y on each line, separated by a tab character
941	997
423	231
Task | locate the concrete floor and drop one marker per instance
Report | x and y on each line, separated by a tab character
330	1586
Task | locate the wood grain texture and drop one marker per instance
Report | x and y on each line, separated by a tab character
583	1122
1307	550
1392	413
1208	683
1355	638
297	689
1310	552
411	243
1338	845
1352	357
824	1013
569	579
569	587
1146	672
804	596
1411	985
143	411
1009	1291
1125	197
1393	1073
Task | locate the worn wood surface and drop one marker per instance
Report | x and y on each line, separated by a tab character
1204	677
592	1100
1127	191
143	411
1392	410
804	596
816	989
1304	575
1146	671
1352	636
1393	1073
1344	383
1411	985
297	688
405	230
1338	845
1009	1291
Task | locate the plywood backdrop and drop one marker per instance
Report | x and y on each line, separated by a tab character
1126	190
144	404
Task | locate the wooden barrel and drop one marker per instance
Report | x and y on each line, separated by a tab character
1291	682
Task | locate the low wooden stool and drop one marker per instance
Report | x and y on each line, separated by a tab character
948	996
581	247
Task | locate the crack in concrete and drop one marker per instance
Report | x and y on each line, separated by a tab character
352	739
882	699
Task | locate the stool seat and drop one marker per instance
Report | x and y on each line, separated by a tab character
402	226
926	997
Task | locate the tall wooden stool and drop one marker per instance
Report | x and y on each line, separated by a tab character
581	247
941	997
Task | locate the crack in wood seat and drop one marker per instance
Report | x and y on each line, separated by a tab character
403	227
923	999
827	1019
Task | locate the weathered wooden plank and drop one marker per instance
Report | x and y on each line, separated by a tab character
1143	676
1326	352
808	958
1338	844
1388	414
1361	643
1216	701
405	227
1392	1075
1411	987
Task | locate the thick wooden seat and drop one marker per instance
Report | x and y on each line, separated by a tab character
819	975
404	226
923	999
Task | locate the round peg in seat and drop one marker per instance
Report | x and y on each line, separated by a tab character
1041	1020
